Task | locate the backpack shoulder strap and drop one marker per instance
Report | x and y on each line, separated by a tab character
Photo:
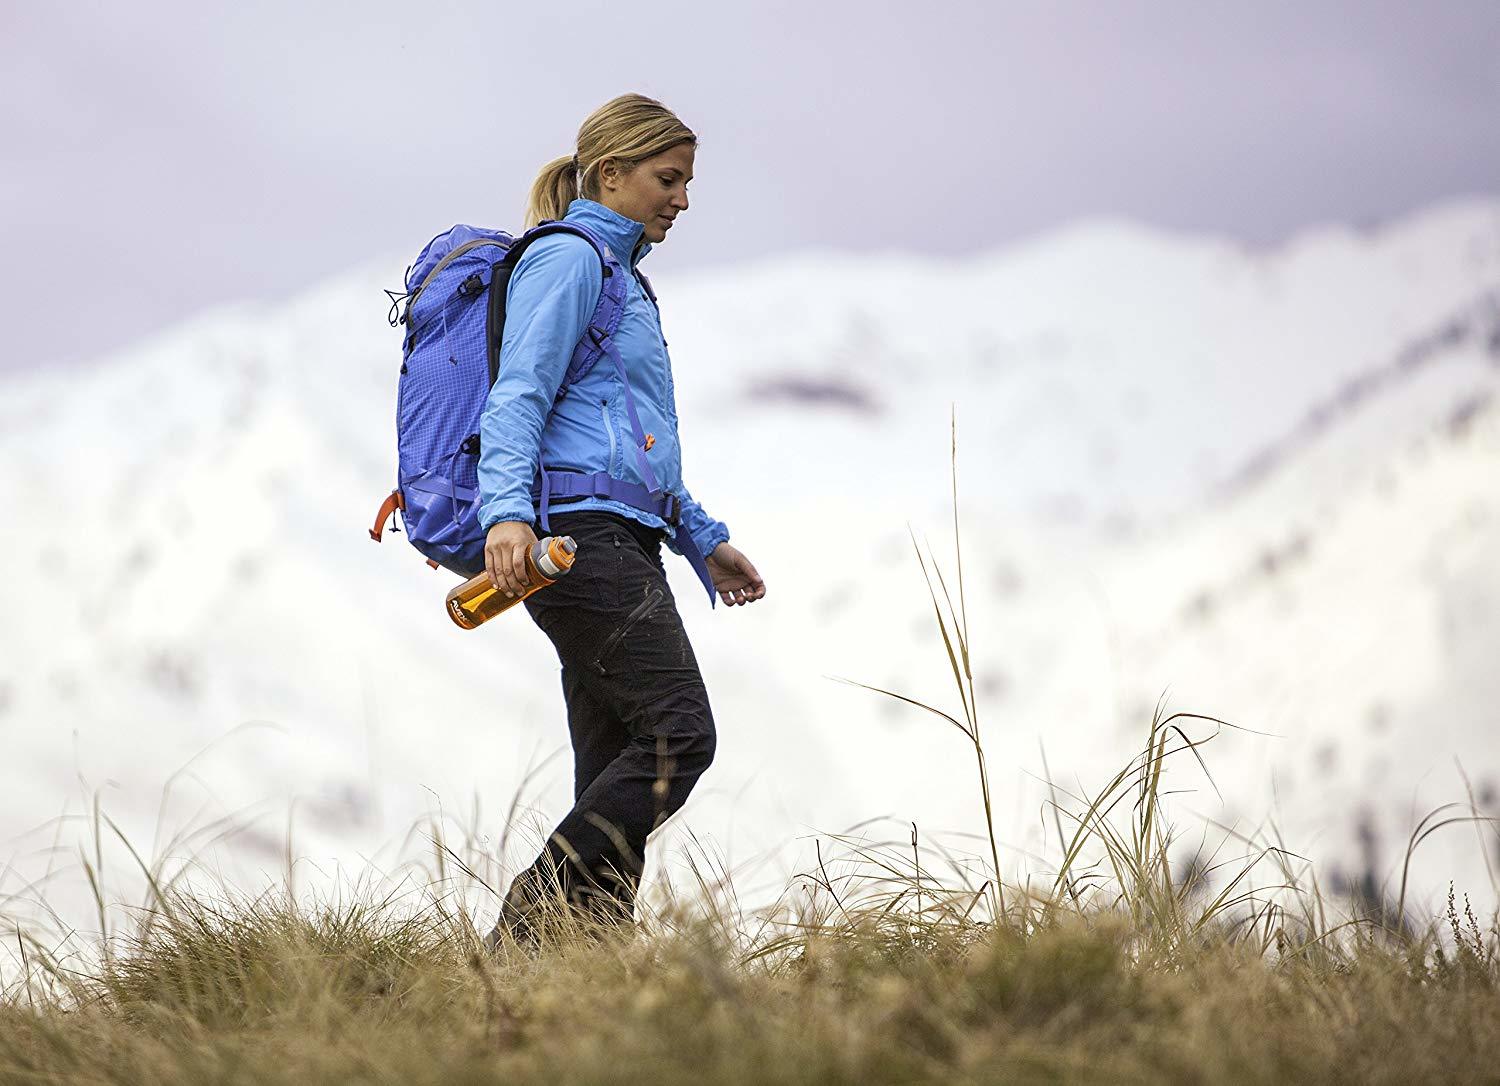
607	312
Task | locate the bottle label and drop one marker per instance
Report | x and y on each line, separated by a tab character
459	615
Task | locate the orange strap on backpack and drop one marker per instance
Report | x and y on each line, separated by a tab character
393	501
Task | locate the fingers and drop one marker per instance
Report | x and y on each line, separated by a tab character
502	563
496	551
741	593
756	588
752	575
513	581
745	588
518	568
505	551
510	581
492	568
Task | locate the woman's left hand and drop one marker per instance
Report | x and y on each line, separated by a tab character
734	577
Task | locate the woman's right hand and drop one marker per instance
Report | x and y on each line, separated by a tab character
505	547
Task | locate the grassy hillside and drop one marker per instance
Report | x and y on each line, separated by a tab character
879	965
1126	957
268	994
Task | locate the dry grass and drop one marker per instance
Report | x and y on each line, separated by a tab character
884	962
874	974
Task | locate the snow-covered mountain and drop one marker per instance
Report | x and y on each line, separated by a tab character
1266	480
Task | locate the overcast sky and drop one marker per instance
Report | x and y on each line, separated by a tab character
163	156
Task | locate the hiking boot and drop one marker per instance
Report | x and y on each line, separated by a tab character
520	915
513	922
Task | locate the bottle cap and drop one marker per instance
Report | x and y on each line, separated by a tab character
554	555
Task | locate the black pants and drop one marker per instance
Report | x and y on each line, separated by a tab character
638	711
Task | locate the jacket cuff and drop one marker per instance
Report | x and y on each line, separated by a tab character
710	537
491	517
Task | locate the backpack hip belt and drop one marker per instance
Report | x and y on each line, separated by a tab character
601	484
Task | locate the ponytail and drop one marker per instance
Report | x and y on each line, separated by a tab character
553	190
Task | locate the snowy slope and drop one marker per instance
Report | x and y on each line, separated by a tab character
1266	479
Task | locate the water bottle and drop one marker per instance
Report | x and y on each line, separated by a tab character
477	600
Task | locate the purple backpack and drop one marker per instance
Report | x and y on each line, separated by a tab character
454	316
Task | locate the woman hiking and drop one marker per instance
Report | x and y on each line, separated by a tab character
603	464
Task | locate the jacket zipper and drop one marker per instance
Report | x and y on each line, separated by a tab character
610	430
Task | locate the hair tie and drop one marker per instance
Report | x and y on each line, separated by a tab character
575	163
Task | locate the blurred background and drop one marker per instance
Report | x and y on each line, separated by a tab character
1208	293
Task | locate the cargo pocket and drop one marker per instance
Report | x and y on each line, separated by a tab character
612	642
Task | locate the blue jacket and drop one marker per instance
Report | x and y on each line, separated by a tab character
548	303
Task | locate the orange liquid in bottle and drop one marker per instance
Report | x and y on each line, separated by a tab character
477	600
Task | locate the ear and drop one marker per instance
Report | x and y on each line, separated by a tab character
609	174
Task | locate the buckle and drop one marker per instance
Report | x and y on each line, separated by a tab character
674	510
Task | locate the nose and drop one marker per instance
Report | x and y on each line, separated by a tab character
680	200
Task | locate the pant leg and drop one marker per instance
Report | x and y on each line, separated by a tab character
624	651
598	736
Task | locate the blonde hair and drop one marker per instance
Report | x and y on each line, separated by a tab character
628	129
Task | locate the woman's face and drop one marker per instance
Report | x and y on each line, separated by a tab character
654	193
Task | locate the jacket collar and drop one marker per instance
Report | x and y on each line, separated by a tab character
621	234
